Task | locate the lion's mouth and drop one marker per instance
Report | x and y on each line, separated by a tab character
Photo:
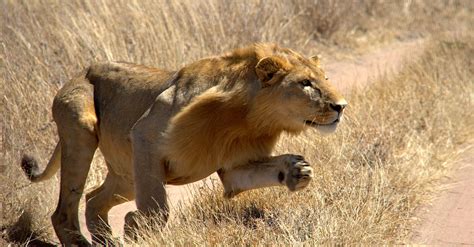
314	124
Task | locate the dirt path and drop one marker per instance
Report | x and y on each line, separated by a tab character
450	219
345	74
362	70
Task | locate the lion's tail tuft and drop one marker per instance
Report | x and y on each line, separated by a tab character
30	167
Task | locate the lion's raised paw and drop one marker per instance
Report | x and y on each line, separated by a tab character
298	174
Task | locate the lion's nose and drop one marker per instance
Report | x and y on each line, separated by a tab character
339	106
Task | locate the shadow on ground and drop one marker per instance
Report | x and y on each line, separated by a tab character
22	233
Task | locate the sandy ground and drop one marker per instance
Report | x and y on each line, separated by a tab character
450	218
360	71
345	75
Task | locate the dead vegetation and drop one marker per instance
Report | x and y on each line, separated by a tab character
398	138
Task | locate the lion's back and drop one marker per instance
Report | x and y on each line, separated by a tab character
124	91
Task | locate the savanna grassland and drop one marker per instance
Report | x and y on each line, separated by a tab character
401	134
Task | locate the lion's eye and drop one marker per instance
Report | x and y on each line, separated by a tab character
306	83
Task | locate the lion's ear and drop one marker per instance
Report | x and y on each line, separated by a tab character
267	67
316	60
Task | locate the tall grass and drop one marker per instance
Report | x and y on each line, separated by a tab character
400	136
44	43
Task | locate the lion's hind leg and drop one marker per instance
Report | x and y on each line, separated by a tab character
74	114
76	156
114	191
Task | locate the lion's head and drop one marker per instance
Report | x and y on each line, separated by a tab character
300	91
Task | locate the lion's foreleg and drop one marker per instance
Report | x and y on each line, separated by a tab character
150	193
287	170
149	175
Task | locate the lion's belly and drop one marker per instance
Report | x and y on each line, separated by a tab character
122	93
114	133
118	155
115	123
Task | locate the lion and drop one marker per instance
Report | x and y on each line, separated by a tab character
156	127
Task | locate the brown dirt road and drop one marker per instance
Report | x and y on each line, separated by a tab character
345	74
450	218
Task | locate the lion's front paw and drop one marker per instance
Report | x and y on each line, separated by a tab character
298	174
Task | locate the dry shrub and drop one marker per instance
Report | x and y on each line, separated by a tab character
400	136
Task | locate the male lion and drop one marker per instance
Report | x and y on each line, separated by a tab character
157	127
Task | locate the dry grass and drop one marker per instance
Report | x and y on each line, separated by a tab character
44	43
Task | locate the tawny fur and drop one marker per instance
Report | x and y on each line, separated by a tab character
157	127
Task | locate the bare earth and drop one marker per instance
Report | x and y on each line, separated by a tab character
450	219
345	74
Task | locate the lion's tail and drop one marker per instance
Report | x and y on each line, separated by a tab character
31	169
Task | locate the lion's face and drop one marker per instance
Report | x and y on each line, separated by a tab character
304	95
